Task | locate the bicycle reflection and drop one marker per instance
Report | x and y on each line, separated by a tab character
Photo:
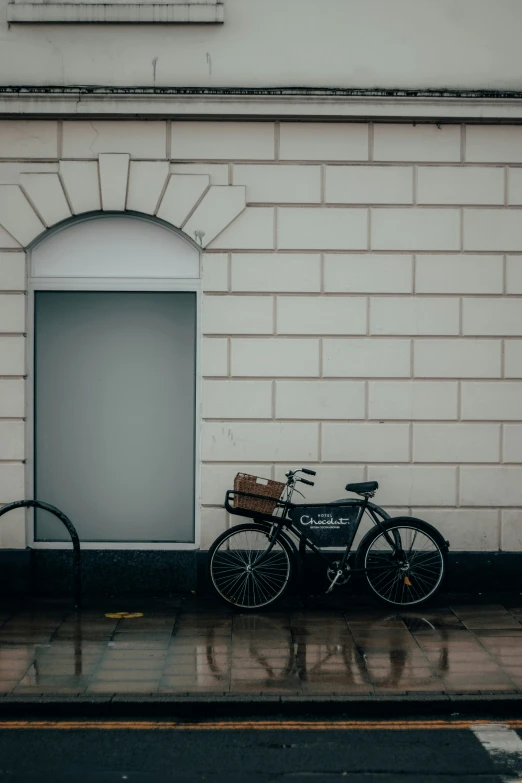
316	652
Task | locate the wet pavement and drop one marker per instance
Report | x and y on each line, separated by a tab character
187	646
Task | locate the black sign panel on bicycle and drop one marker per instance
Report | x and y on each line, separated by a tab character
326	526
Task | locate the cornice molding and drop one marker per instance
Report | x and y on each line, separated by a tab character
263	103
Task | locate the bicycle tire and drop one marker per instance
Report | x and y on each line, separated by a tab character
238	588
422	574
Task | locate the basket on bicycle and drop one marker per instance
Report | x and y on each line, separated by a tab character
255	487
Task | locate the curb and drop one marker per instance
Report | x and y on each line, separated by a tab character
213	705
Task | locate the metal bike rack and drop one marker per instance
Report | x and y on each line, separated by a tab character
77	571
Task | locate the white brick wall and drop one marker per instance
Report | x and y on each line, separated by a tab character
362	315
89	139
321	315
12	272
238	315
318	400
369	185
276	272
459	274
275	358
371	273
237	399
12	355
366	442
366	358
513	358
222	141
492	317
416	484
214	357
12	440
252	230
466	529
492	229
511	531
512	445
416	143
247	442
12	480
28	139
410	400
514	186
456	442
12	401
322	229
215	272
414	316
323	141
12	313
491	486
280	184
514	275
496	401
415	229
457	185
494	144
457	358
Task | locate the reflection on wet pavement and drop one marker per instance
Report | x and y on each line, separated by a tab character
194	646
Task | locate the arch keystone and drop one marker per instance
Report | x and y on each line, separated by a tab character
114	175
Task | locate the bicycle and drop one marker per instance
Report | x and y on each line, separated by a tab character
252	565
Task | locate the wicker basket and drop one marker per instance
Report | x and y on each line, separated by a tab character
243	482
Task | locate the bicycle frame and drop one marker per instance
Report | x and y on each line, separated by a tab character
365	506
376	513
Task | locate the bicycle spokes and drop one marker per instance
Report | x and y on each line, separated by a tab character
406	573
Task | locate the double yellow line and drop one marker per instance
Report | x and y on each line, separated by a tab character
249	725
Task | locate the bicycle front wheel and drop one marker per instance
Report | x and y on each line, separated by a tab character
246	570
410	571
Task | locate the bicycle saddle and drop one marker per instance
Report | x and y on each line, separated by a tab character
363	488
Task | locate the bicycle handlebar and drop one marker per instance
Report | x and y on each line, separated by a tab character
305	481
308	472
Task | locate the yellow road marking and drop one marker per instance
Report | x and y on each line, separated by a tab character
263	725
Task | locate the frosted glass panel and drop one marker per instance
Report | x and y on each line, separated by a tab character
115	408
116	246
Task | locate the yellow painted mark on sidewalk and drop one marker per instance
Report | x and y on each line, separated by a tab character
263	725
124	615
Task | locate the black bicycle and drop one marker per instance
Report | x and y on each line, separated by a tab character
252	565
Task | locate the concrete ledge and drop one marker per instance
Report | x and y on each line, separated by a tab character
115	13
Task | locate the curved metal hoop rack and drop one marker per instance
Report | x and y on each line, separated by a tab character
76	565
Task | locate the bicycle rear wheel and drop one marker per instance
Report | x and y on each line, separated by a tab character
246	571
411	571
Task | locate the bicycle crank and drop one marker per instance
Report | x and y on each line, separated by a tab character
337	575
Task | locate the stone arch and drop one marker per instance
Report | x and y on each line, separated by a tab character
114	183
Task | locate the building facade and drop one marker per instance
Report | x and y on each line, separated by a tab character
223	249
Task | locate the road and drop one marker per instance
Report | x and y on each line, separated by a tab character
311	750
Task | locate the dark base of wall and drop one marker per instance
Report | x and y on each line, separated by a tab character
114	572
15	571
47	572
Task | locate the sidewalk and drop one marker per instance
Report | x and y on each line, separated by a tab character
195	648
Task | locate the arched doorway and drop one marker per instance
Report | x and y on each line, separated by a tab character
113	429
